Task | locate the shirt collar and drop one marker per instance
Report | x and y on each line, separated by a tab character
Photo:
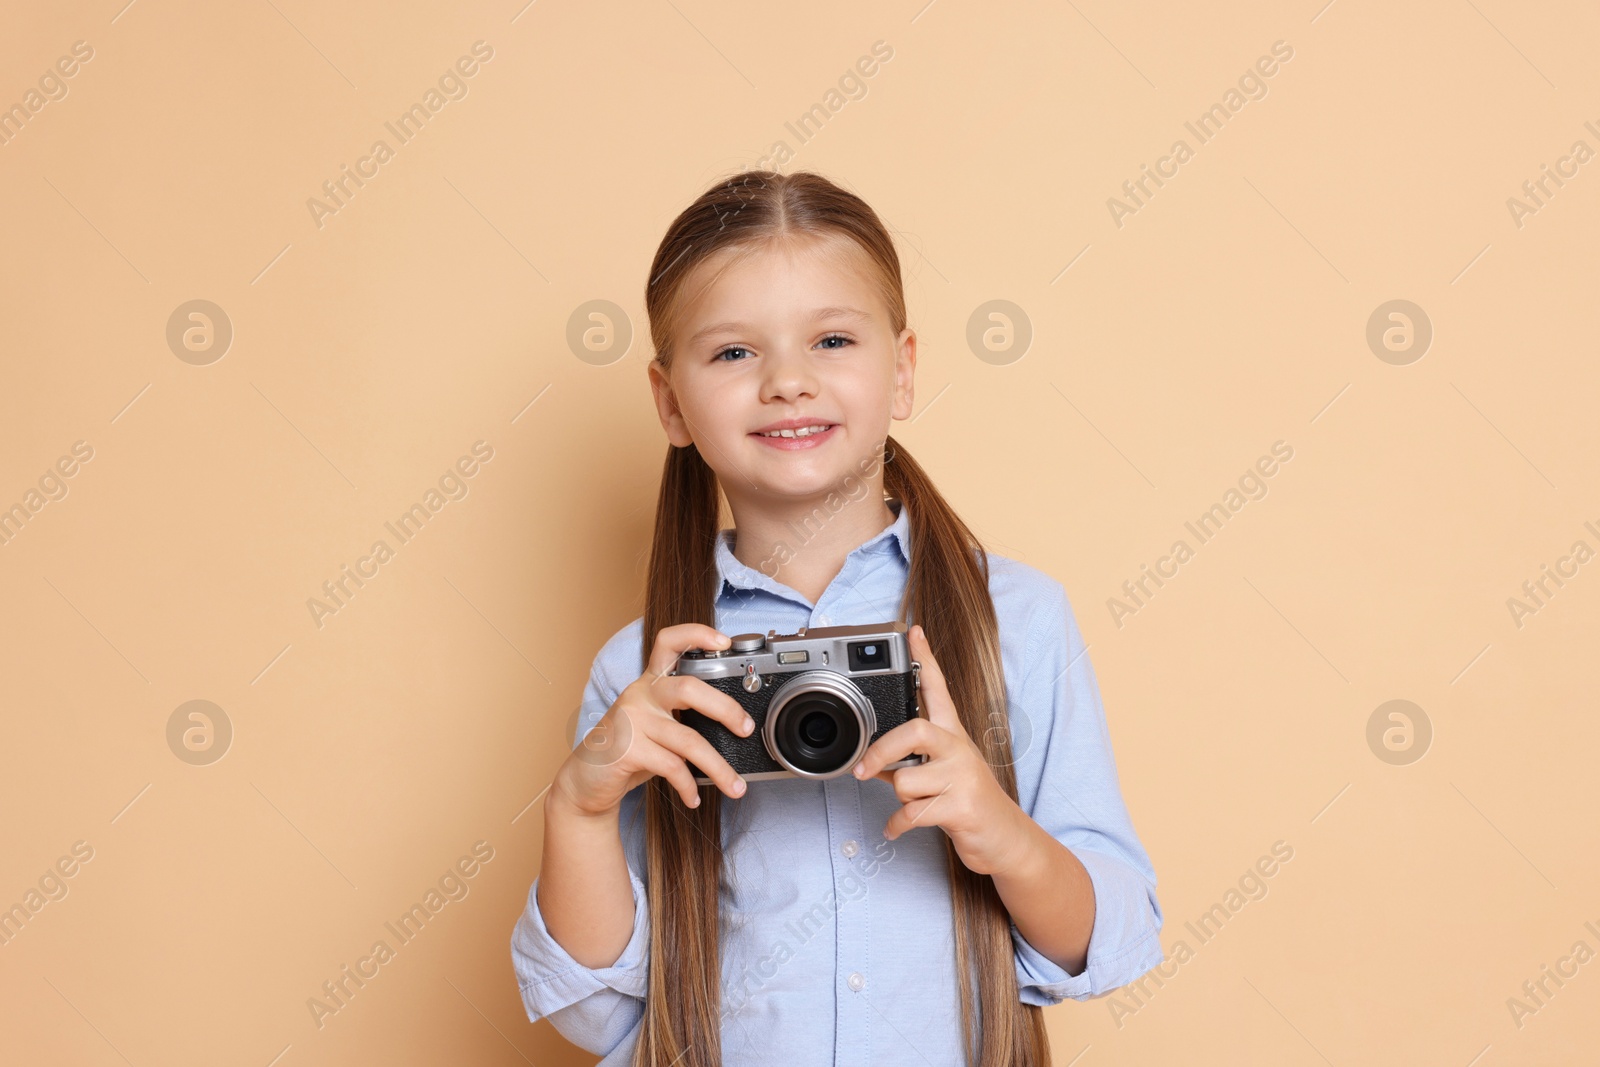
894	538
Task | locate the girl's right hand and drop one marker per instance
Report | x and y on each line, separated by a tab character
640	737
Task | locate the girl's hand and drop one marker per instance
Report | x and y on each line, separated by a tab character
955	789
640	737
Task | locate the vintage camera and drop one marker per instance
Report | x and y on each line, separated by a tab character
819	697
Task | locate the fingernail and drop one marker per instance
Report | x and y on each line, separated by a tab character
738	788
695	803
749	724
860	769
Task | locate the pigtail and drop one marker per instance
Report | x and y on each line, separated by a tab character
682	1023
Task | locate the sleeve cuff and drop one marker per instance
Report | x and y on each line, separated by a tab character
1123	944
550	979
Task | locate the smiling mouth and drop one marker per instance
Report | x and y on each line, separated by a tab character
804	431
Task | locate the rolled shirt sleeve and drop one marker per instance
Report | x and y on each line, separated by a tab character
594	1008
1067	782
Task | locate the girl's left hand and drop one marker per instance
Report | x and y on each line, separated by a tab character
955	789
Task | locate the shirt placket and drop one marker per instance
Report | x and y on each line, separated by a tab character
851	975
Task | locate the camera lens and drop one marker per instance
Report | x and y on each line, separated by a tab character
819	724
818	729
817	733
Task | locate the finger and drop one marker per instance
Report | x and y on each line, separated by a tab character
897	824
917	813
684	691
691	745
935	697
892	774
673	641
914	783
667	764
913	735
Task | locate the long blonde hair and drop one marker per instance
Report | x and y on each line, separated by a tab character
947	591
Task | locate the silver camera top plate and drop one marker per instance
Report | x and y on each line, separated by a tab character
810	648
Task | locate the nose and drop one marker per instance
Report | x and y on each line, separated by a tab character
788	375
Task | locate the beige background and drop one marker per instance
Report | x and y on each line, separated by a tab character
429	313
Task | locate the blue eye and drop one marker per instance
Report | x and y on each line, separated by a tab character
718	357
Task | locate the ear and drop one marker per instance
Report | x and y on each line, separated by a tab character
667	407
905	366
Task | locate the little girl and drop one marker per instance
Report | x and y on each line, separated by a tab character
807	920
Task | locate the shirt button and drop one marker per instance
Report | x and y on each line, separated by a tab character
824	620
856	981
849	848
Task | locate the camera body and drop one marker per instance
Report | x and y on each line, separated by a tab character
819	698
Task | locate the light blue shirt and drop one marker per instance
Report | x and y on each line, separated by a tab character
837	944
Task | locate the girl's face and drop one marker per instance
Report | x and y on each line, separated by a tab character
792	335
